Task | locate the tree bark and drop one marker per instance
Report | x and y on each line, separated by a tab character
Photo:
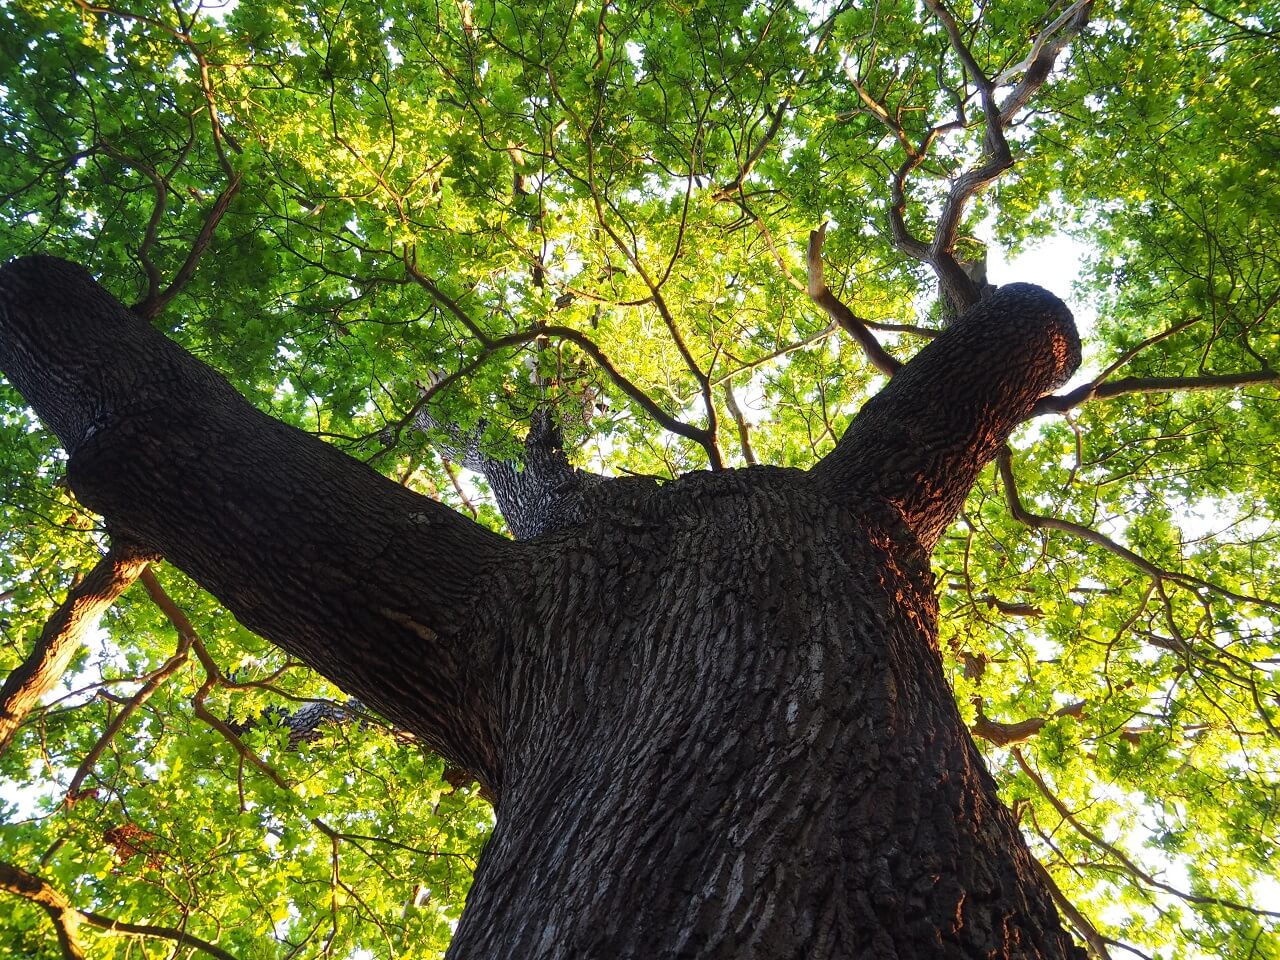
712	712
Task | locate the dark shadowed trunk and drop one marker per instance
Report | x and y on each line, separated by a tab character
712	712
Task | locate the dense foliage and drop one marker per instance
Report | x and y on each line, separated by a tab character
361	209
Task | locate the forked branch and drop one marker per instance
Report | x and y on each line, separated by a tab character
703	436
995	157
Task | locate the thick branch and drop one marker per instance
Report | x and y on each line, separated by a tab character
382	596
540	493
920	442
544	492
63	634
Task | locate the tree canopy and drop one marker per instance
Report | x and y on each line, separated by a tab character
692	236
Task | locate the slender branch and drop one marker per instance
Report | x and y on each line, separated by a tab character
699	435
66	917
1132	868
409	259
744	430
155	299
1035	69
901	234
214	677
706	437
152	683
1096	943
1096	390
854	325
1128	948
772	245
959	291
775	124
588	346
180	937
161	187
994	160
184	37
1004	461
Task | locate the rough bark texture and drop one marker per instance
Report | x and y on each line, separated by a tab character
920	442
744	749
712	712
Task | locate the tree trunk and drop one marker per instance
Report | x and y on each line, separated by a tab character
712	712
742	745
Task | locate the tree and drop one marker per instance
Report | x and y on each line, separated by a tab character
712	701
